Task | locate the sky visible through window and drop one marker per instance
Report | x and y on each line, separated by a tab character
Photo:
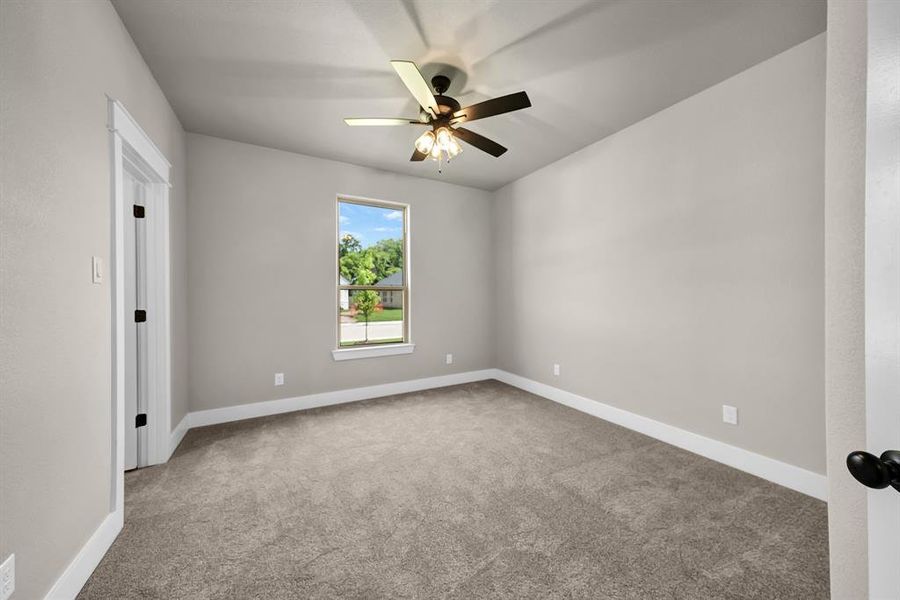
370	224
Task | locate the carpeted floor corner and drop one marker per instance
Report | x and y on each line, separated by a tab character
472	491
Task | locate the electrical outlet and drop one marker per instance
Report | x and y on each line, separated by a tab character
729	414
279	378
556	370
8	577
449	359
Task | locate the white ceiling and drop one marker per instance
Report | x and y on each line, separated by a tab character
284	74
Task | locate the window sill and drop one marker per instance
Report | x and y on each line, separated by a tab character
372	351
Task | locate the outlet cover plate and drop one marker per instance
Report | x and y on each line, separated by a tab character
729	414
279	378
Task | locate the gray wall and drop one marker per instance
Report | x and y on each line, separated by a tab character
692	240
677	265
845	198
261	247
57	60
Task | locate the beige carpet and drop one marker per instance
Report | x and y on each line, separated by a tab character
472	491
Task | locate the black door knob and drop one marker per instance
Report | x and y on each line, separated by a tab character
875	472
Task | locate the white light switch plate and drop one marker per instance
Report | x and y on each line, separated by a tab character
96	269
729	414
279	378
8	577
449	359
556	370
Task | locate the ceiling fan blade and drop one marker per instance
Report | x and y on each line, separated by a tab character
494	106
479	141
416	84
378	122
418	156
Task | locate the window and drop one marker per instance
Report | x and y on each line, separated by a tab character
372	277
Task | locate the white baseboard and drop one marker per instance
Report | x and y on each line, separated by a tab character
274	407
178	434
790	476
79	570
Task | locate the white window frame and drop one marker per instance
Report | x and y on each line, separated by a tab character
374	350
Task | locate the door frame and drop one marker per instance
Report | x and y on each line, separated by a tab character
131	148
882	285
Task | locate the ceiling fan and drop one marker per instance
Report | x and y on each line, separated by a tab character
443	114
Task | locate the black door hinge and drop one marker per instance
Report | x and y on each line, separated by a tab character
140	420
138	211
140	316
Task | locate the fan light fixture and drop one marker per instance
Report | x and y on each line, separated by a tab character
438	145
443	115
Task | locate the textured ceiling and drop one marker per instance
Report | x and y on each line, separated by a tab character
284	74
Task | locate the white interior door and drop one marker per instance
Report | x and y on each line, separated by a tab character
136	454
883	285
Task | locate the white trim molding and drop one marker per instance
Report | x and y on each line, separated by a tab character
372	351
131	149
787	475
284	405
178	434
406	347
79	570
123	124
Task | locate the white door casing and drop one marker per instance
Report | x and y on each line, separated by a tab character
132	151
882	277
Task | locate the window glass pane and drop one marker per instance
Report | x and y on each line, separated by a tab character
370	245
370	317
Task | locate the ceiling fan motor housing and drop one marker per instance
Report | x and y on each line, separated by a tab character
446	104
